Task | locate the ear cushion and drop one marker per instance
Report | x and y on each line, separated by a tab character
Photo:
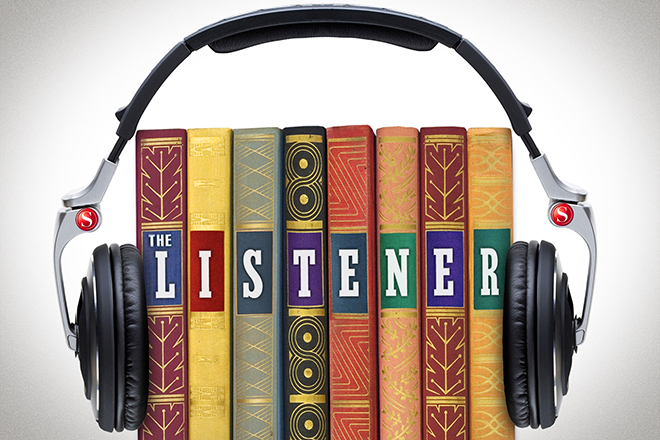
105	337
545	333
514	335
136	337
120	336
532	366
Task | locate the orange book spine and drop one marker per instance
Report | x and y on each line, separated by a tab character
397	226
353	291
490	223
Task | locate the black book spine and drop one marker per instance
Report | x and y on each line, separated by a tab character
306	370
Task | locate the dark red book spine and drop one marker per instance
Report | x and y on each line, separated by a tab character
161	238
353	285
443	206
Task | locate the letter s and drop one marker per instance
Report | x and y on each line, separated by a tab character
253	274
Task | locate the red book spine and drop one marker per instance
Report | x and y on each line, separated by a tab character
353	285
161	238
443	198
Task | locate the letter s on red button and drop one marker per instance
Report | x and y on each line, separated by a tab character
562	214
87	219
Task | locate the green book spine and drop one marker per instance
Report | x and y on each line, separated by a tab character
306	404
258	284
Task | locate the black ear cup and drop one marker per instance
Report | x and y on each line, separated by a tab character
112	337
519	334
105	337
136	343
538	334
120	336
545	333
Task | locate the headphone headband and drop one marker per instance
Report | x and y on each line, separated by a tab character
267	25
259	27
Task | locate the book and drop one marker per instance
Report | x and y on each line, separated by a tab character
443	224
397	222
161	238
490	222
210	273
258	284
306	314
353	295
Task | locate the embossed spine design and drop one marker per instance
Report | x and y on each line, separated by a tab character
161	238
306	407
353	292
209	270
258	284
397	189
490	223
443	199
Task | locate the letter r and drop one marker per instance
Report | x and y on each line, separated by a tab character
488	276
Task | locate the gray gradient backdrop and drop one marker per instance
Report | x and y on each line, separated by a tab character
589	68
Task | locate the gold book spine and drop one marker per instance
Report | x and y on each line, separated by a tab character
490	224
210	277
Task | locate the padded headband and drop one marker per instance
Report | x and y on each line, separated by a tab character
263	26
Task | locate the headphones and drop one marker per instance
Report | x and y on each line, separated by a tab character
540	329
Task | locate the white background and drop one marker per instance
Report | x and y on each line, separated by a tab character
590	69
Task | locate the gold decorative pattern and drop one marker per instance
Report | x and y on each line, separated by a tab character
161	177
306	181
399	402
254	341
307	341
209	330
161	207
491	207
396	197
255	174
256	335
444	327
446	157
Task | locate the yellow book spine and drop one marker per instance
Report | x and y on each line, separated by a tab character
490	223
210	278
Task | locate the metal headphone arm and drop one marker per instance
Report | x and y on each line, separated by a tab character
240	32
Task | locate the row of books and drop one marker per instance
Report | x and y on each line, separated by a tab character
313	283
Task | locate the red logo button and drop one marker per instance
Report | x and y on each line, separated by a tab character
87	219
562	214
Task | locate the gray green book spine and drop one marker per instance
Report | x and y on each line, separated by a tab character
258	285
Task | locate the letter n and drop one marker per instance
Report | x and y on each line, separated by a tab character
396	271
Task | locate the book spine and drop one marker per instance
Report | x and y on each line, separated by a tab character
353	288
443	200
397	187
209	272
306	318
161	238
490	222
258	285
